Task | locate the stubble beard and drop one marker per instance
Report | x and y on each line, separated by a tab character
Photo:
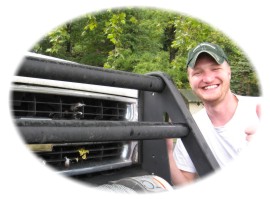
215	97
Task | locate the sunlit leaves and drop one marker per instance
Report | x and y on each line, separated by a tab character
144	40
57	38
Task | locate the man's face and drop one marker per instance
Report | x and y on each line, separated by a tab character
209	80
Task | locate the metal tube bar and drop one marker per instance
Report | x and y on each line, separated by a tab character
74	72
65	131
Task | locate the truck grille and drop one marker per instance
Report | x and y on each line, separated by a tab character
38	105
71	156
75	158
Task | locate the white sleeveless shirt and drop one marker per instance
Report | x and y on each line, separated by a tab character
225	142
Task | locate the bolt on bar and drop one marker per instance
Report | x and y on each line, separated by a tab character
52	131
74	72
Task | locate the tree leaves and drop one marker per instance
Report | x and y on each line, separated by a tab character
144	40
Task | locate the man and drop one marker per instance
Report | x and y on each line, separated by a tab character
227	121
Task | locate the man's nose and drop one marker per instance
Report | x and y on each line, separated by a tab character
208	77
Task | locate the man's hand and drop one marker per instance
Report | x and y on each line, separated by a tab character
250	131
169	145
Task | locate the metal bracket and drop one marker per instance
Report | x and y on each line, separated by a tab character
155	106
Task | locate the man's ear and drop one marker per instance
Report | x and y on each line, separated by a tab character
229	72
188	72
188	76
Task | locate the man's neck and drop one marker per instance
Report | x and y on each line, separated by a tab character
221	113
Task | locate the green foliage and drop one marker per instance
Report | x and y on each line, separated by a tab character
244	80
57	38
144	40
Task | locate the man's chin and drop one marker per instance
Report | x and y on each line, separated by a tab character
208	98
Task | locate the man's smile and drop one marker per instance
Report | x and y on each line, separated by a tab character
210	87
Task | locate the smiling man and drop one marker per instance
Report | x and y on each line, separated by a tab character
209	76
227	120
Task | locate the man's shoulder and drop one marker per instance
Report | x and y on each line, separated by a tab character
249	99
246	97
248	107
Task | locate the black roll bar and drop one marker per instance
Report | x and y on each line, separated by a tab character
74	72
158	97
67	131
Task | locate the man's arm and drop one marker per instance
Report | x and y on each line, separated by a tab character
179	177
251	130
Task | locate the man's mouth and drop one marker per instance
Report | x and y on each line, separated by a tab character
210	87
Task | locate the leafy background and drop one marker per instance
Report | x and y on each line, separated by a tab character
144	40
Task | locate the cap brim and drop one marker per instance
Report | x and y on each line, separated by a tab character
217	58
